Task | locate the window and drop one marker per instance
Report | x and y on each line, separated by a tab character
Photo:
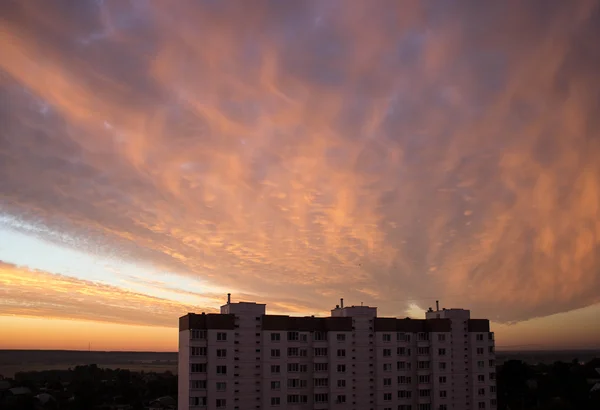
441	337
424	392
481	391
303	352
321	382
443	393
492	389
341	368
275	353
341	353
198	351
423	365
303	368
340	399
406	407
293	352
492	376
275	401
387	337
491	349
387	381
423	337
296	383
442	379
493	403
221	403
198	384
403	351
275	368
480	364
479	337
275	385
387	352
387	367
481	378
442	352
221	352
481	405
303	337
480	350
293	367
198	367
422	350
492	363
221	386
320	336
296	398
321	398
424	378
442	365
275	337
221	336
403	365
341	337
320	351
321	367
221	369
404	394
198	401
341	383
387	396
292	336
403	337
199	334
425	406
443	407
404	380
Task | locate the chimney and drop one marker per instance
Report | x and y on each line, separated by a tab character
228	298
342	303
437	305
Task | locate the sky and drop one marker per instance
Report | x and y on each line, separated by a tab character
156	155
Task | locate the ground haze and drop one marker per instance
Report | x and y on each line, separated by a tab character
14	361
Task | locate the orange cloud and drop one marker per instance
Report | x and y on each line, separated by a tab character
385	153
41	294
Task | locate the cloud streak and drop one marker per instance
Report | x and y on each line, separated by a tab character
35	293
314	149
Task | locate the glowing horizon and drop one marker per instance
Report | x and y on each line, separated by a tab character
156	156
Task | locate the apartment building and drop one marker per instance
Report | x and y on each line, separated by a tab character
245	359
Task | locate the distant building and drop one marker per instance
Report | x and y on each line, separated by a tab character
244	359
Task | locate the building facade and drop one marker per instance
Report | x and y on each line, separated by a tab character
245	359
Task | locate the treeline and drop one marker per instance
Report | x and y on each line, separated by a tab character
558	386
89	387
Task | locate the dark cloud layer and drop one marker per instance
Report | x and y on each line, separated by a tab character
384	152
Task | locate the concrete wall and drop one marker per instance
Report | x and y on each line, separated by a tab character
369	345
